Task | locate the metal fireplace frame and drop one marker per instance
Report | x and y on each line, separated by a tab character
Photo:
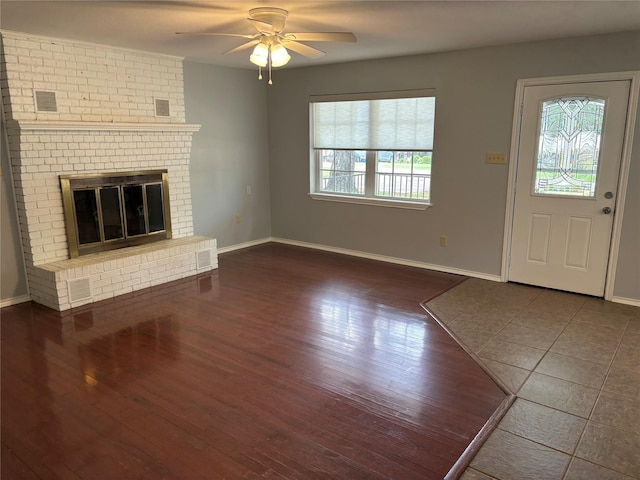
72	183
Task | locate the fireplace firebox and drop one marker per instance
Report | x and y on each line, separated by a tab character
114	210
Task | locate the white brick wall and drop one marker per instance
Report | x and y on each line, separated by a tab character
105	123
40	156
93	83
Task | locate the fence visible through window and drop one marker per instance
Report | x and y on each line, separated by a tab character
384	174
403	185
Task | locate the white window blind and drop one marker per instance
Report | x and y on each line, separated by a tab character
374	124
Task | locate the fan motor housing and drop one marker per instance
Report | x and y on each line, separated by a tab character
273	16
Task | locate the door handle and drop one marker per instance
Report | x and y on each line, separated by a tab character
606	210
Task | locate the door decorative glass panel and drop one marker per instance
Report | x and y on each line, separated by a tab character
569	146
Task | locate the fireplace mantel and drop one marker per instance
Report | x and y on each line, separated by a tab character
103	126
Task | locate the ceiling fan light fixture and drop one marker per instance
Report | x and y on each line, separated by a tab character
268	49
279	55
260	55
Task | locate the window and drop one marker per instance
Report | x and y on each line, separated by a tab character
569	147
373	148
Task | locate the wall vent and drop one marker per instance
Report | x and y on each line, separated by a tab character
79	289
162	108
46	101
203	259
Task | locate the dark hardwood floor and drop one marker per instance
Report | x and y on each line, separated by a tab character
284	363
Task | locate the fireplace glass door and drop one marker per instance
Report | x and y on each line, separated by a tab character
109	211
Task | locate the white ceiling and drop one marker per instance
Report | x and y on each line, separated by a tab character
383	28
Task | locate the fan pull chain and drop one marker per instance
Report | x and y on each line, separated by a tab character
270	82
259	72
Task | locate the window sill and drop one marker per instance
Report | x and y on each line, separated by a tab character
380	202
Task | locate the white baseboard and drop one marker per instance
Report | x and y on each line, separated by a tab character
396	260
7	302
384	258
627	301
240	246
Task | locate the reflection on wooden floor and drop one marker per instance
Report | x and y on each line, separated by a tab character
284	363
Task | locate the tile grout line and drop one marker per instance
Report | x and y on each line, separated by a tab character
600	391
547	351
505	326
572	455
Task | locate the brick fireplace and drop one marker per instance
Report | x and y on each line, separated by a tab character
79	109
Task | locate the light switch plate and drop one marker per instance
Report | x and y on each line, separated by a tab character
497	157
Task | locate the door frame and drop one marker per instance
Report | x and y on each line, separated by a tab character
634	92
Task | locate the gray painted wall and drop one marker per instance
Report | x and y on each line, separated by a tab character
13	282
474	114
229	153
258	136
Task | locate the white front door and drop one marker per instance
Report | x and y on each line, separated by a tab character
567	173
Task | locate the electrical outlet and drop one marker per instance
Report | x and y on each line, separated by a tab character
248	190
497	157
237	218
443	241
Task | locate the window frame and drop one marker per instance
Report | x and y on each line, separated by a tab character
369	197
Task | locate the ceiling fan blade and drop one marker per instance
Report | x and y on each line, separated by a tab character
262	27
219	34
322	37
178	5
244	46
303	49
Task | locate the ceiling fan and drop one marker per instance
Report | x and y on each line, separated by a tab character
270	42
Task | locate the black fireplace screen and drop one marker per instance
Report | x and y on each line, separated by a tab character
114	210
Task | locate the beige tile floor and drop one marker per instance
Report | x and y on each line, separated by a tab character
573	362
